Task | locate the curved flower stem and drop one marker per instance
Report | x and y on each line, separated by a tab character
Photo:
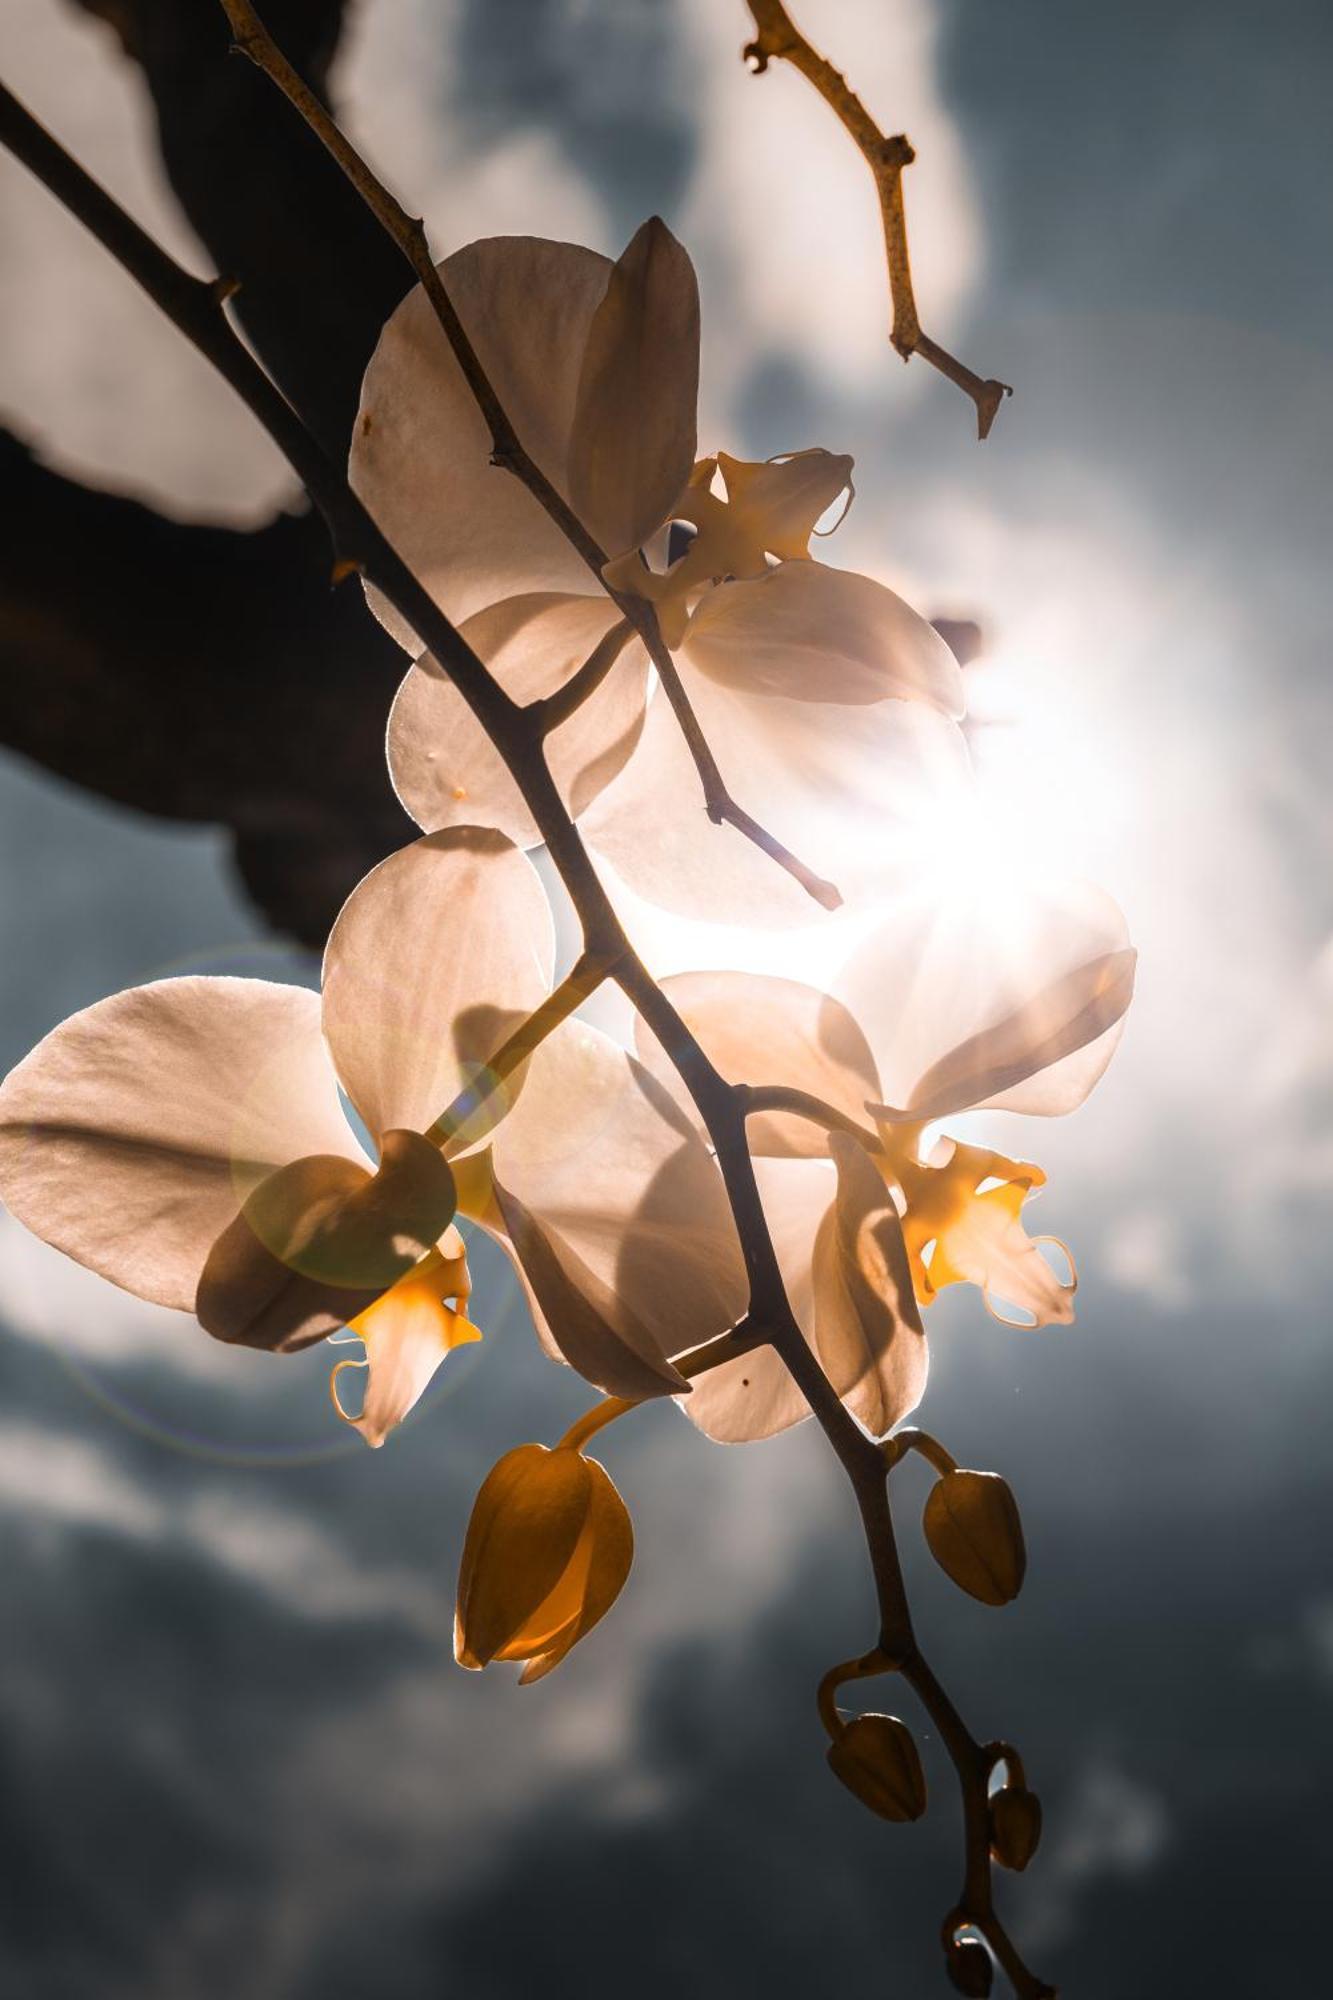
757	1097
886	157
911	1439
742	1339
251	38
582	980
195	306
608	1411
868	1664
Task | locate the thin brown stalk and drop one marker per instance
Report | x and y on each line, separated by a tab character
578	985
755	1098
886	155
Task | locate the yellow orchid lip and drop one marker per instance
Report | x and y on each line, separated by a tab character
407	1332
962	1224
770	509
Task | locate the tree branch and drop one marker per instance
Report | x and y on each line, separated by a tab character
886	157
201	674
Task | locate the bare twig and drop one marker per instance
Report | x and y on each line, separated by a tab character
886	156
252	39
196	308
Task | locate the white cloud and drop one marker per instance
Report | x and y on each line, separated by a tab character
53	1480
794	250
93	373
1113	1825
305	1568
784	208
46	1478
47	1297
1143	1252
397	73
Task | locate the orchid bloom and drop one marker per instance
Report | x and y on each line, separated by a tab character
829	697
187	1140
938	1016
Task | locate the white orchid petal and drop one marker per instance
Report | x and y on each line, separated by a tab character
633	440
868	1332
445	768
130	1137
252	1291
578	1318
1030	1060
435	957
986	993
814	634
756	1029
989	1247
421	454
845	786
617	1177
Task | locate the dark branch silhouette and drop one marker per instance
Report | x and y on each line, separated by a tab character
201	673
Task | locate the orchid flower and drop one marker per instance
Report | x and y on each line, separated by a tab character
829	696
939	1016
188	1141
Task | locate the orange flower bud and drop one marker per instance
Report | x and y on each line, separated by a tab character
975	1534
547	1552
970	1968
876	1758
1015	1826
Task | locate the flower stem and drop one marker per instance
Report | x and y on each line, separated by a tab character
583	979
897	1447
755	1098
862	1668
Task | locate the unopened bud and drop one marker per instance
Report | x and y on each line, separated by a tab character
1015	1826
876	1758
970	1968
547	1552
975	1535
